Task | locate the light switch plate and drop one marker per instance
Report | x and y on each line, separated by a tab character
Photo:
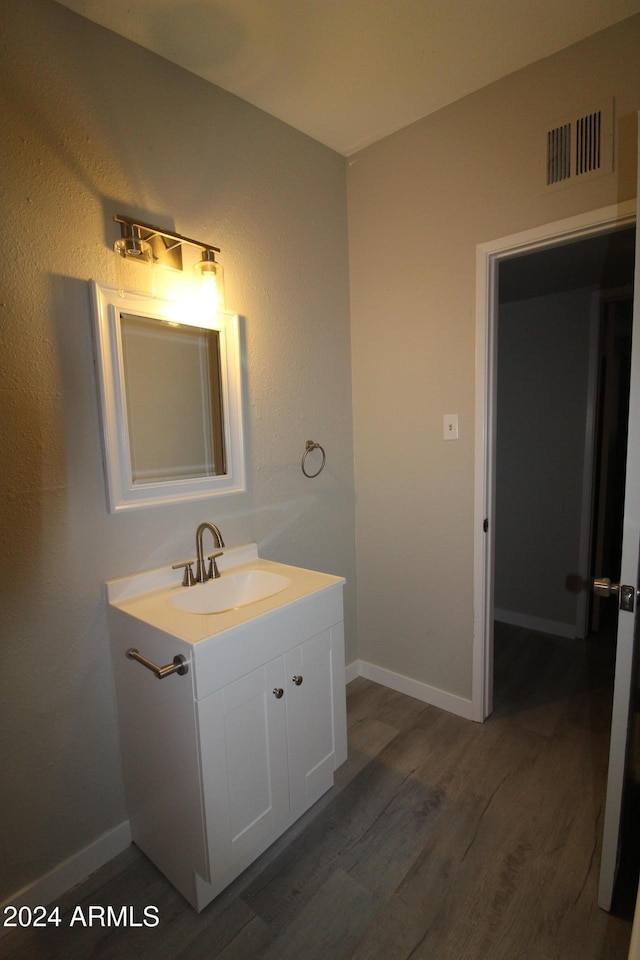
450	426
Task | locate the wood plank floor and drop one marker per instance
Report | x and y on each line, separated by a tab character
442	840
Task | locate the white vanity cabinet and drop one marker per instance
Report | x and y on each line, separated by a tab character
220	761
268	750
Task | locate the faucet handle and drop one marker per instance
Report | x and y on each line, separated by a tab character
188	580
213	573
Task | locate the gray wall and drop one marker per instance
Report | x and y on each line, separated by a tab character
543	383
93	125
420	202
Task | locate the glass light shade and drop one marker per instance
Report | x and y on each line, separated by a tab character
134	266
211	277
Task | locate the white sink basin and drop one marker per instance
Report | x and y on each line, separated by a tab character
230	591
249	588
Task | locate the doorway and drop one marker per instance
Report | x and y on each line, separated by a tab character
610	459
490	259
563	346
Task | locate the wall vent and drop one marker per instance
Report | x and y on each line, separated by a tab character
580	147
559	154
588	143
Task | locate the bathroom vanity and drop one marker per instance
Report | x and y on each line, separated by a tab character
243	735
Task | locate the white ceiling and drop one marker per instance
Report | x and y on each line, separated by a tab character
348	72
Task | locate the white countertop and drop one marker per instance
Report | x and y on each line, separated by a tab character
145	596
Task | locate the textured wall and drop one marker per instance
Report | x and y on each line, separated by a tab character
419	203
94	125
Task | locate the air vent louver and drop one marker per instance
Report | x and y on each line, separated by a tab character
588	145
581	146
559	154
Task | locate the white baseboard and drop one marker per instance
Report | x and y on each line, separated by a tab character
460	706
67	874
555	627
351	671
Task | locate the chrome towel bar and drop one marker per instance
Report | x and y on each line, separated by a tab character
179	664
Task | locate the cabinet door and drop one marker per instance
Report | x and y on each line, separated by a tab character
310	719
244	764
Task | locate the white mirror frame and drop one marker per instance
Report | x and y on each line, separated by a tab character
122	493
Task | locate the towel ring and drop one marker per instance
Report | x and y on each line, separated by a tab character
309	446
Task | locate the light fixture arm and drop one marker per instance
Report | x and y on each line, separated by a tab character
146	231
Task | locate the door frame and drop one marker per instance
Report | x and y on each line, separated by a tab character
488	257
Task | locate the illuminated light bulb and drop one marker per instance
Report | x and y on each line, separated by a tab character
212	282
210	292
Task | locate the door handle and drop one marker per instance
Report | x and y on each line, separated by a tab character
602	587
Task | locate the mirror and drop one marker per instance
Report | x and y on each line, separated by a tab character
175	433
170	395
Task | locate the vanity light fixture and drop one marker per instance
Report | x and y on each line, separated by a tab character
145	243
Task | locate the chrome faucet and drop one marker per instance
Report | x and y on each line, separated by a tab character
201	572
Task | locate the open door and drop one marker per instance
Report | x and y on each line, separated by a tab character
626	595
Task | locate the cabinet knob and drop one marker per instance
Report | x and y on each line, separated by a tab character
297	680
278	693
